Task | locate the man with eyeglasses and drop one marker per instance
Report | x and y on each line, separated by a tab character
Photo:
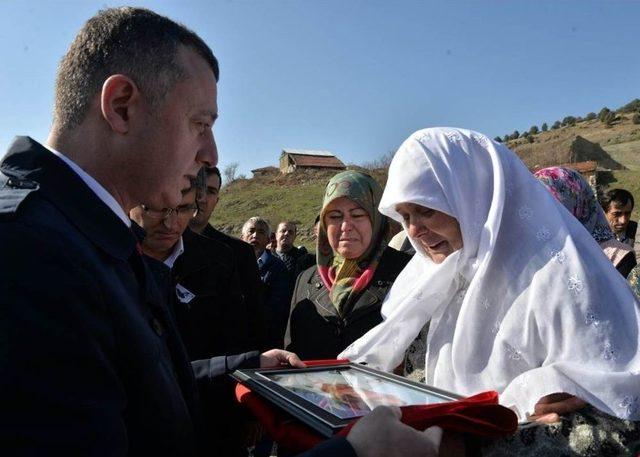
208	304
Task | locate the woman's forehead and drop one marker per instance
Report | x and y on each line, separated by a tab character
409	206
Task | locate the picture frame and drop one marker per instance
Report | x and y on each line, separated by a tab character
328	397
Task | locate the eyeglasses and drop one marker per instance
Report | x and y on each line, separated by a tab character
186	211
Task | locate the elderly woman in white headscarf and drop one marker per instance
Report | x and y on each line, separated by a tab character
516	293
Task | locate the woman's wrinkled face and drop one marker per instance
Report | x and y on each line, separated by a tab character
348	228
436	232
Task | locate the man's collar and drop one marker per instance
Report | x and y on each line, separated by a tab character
61	186
178	249
264	257
95	186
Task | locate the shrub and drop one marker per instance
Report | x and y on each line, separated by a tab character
497	139
569	120
603	113
545	127
633	105
515	135
533	130
556	125
591	116
636	118
610	118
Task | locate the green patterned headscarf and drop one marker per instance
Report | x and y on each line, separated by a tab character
346	278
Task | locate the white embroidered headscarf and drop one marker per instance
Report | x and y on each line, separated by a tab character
529	306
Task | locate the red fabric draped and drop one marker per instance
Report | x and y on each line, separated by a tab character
479	415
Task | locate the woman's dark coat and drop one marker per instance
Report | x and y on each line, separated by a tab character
317	331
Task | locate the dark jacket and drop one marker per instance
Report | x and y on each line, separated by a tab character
317	331
276	297
91	362
213	320
250	284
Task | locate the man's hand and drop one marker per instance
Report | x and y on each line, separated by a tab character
279	357
381	434
550	407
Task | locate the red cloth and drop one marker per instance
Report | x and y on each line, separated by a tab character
479	415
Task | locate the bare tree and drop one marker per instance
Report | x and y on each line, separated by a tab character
382	161
230	171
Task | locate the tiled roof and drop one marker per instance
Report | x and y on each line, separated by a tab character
308	152
317	161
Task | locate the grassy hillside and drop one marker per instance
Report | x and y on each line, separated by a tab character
298	196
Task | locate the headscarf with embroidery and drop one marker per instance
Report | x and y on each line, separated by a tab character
346	278
572	190
528	307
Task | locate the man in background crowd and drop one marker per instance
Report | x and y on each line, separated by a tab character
618	205
275	278
209	182
294	258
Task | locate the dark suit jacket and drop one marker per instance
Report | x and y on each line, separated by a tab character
217	320
277	297
250	283
90	362
317	331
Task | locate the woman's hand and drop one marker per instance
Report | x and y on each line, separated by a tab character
550	407
279	357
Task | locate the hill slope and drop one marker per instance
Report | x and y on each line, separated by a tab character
298	196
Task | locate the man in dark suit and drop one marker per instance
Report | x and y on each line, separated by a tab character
91	363
205	289
208	194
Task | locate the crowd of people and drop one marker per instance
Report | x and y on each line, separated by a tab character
122	307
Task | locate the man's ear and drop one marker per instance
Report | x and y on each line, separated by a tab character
119	95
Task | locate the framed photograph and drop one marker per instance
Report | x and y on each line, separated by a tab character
327	398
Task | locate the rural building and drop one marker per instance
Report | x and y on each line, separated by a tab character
302	159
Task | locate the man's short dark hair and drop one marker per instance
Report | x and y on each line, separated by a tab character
201	179
135	42
208	171
618	196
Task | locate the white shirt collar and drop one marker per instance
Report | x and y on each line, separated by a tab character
178	249
95	186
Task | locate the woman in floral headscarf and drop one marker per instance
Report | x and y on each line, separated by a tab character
572	190
338	300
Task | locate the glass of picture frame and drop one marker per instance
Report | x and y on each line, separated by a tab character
328	397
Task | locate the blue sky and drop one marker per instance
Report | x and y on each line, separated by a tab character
357	77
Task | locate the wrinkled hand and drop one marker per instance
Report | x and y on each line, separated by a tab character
279	357
550	407
381	434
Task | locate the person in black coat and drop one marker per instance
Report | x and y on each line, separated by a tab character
339	300
91	361
208	194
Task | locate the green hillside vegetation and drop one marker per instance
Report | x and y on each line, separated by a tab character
298	196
